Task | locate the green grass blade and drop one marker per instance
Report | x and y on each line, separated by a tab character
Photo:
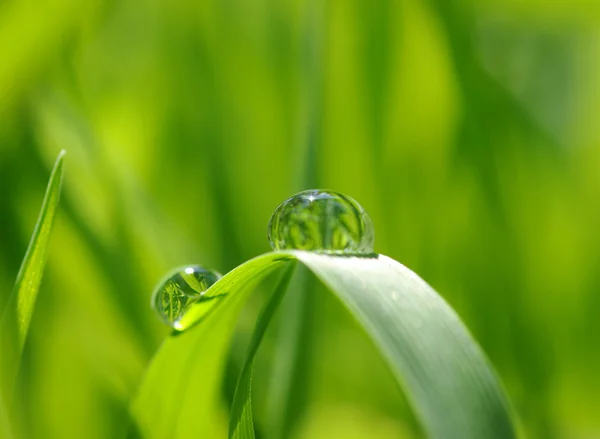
19	309
180	395
288	393
241	424
445	375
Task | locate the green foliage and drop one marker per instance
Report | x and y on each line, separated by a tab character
14	323
447	379
241	424
180	392
468	130
5	423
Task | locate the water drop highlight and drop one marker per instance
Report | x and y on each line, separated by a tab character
181	289
321	221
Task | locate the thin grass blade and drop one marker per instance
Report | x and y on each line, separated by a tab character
241	425
16	317
180	395
287	391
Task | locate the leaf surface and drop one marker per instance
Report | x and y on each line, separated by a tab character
16	317
446	377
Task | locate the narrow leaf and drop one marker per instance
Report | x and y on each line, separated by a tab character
287	391
179	396
17	314
241	424
444	373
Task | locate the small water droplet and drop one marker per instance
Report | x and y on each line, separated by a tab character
319	220
178	291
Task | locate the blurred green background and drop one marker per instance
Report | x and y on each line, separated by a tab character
469	130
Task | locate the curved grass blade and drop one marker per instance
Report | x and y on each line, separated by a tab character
17	314
179	396
445	375
241	424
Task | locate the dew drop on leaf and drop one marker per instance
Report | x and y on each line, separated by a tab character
181	289
321	221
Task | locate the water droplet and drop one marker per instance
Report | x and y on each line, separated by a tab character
318	220
181	289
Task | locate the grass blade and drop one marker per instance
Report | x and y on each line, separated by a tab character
241	425
179	396
446	377
288	393
19	309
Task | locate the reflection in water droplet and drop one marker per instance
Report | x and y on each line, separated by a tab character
184	287
323	221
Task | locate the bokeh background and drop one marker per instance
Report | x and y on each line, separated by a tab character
469	130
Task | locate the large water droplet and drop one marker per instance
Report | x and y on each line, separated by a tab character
181	289
318	220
